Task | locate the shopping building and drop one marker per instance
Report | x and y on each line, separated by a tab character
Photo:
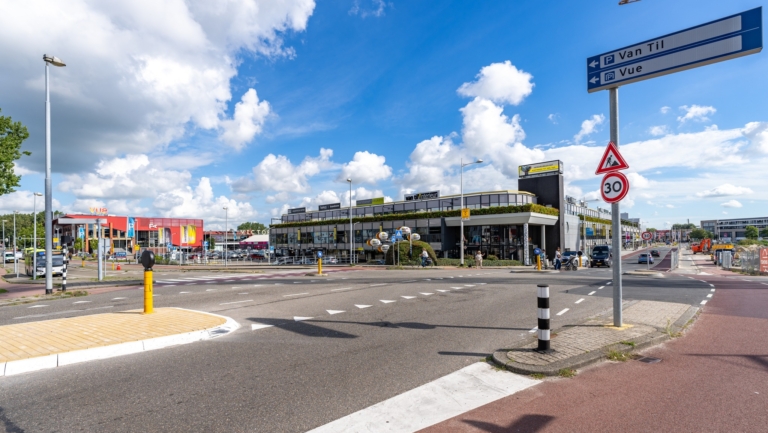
127	233
508	224
732	230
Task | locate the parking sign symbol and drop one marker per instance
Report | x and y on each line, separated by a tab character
609	59
610	76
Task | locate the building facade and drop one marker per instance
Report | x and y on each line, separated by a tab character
732	230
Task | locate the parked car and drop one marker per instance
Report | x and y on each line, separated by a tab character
9	257
569	254
655	253
645	259
602	256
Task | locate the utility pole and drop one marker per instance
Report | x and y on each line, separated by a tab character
613	98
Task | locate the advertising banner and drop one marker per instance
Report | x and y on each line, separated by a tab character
369	201
540	169
764	260
329	206
183	234
160	238
131	227
422	196
191	234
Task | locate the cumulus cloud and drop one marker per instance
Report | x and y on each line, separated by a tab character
201	202
553	118
731	203
658	130
589	126
757	133
365	167
696	112
277	173
249	117
139	75
24	202
724	190
374	8
501	83
665	109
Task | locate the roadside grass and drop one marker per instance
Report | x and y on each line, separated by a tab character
628	343
615	355
537	376
566	372
669	331
3	291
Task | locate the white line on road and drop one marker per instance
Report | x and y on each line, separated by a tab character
579	301
426	294
709	296
332	312
711	285
386	301
236	302
590	293
408	297
300	318
465	285
243	293
256	326
563	312
608	283
534	329
712	290
81	302
703	302
37	306
601	288
183	292
409	281
210	290
295	294
457	288
374	285
363	306
443	291
117	299
336	290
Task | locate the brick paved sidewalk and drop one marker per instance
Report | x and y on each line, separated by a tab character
645	323
51	343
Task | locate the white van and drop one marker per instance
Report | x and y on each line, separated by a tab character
9	256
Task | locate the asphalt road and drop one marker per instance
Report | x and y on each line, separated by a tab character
334	346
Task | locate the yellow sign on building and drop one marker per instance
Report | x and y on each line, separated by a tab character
465	214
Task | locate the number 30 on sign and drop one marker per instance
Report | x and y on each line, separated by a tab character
614	187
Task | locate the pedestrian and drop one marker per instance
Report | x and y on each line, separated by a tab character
543	258
424	257
479	259
558	259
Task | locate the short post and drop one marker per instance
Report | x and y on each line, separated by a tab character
64	279
538	263
320	266
82	263
543	315
148	260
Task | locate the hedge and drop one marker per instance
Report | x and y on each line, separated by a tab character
471	262
404	247
424	215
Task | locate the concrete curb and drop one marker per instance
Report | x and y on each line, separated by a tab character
77	356
532	271
658	336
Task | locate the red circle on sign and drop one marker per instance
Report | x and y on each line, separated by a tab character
647	236
614	187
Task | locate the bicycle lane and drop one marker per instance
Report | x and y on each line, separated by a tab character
712	379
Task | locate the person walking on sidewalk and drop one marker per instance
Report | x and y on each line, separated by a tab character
479	259
424	257
558	259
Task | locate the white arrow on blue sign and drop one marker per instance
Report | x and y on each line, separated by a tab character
724	39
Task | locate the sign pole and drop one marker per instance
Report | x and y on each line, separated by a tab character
613	97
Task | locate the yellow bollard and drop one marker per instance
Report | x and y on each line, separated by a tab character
319	266
113	266
148	291
538	263
82	265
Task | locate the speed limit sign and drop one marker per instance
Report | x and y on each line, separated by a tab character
647	236
614	187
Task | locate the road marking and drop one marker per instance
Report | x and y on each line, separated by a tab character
457	288
258	285
712	290
608	283
703	302
711	285
534	329
363	306
469	285
256	326
765	284
37	306
236	302
374	285
211	290
117	299
81	302
426	294
300	318
237	287
443	291
563	312
336	290
746	280
601	288
172	285
579	301
408	297
297	282
295	294
591	293
409	281
471	387
386	301
183	292
709	296
332	312
428	279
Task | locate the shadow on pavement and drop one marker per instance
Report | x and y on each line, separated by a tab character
417	325
302	328
526	423
481	355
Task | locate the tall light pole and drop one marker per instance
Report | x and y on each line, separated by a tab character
226	215
351	228
461	206
34	243
5	243
55	61
584	226
15	257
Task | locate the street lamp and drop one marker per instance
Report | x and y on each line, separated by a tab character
34	242
15	257
584	226
226	215
461	206
351	229
55	61
5	243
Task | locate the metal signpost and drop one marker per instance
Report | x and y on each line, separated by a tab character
724	39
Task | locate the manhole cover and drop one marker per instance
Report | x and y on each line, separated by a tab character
649	360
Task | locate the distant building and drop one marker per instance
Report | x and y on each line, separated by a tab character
732	230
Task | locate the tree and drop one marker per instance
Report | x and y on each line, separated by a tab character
764	233
78	244
252	226
11	136
750	232
685	226
652	230
700	234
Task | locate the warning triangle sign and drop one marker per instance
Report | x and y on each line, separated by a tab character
611	160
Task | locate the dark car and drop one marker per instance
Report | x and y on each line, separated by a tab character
655	253
601	256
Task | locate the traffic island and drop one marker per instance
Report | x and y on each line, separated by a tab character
27	347
646	323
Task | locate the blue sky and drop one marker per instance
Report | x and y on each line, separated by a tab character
157	131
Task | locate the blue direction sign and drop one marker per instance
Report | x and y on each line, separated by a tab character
724	39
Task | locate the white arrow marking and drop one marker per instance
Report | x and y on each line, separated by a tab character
332	312
299	318
594	80
115	299
386	301
469	285
408	297
363	306
457	288
256	326
37	306
426	294
593	64
183	292
440	290
210	290
80	302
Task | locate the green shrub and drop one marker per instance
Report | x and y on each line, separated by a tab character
471	262
492	257
415	259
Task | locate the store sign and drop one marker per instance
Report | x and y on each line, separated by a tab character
548	168
98	210
370	201
330	206
131	227
422	196
764	260
297	210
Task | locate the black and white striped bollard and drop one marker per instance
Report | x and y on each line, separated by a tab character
64	279
543	315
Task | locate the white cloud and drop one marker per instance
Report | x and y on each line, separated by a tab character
665	109
696	112
553	118
365	167
669	206
724	190
658	130
200	202
500	83
376	8
588	126
24	202
247	122
277	173
731	203
757	133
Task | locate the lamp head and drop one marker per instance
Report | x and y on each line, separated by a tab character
349	180
55	61
39	194
479	161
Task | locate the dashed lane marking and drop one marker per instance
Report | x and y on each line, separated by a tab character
117	299
332	312
363	306
236	302
374	285
601	288
709	296
443	291
703	302
37	306
243	293
469	285
591	293
81	302
457	288
295	294
183	292
711	285
712	290
408	297
210	290
563	312
300	318
579	301
337	290
386	301
426	294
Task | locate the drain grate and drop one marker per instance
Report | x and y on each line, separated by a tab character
649	360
